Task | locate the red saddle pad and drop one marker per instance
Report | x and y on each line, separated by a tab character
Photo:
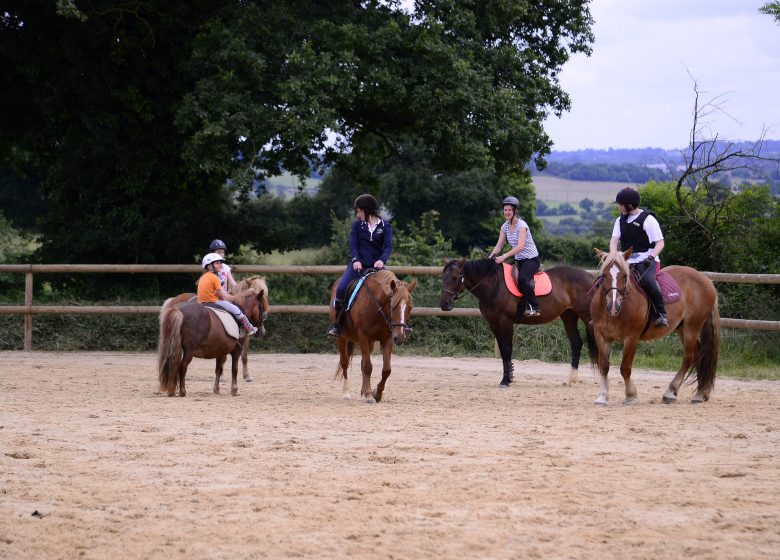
542	284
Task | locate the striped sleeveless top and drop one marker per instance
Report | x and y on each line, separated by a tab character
513	235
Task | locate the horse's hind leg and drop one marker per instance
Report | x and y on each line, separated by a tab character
344	356
690	342
503	331
387	353
570	319
220	363
235	355
185	363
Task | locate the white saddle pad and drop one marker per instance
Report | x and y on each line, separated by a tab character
231	327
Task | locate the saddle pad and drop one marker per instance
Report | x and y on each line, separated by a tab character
231	327
542	283
669	287
670	290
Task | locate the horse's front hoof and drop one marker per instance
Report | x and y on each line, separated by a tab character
346	397
699	399
503	385
669	398
248	380
234	392
601	401
631	400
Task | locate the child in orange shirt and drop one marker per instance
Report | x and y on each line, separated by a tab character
210	291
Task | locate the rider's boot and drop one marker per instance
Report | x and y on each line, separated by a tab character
335	328
248	326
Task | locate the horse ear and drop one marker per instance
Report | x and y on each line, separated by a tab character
627	254
260	294
462	261
412	285
392	285
599	252
446	260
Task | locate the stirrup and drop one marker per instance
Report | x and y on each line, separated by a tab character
334	330
661	320
531	312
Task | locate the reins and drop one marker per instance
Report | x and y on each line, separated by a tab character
462	281
381	311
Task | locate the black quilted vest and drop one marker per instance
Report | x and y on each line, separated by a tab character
632	234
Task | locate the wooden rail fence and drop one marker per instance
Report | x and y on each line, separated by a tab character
28	309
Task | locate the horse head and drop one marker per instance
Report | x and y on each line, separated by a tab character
451	283
258	285
401	309
614	275
254	308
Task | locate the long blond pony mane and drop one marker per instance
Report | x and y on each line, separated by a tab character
617	259
254	284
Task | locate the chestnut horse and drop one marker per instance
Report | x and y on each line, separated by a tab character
568	300
380	312
189	330
256	284
621	313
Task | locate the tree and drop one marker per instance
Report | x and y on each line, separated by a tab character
771	9
150	124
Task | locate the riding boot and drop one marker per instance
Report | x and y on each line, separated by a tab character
335	328
527	288
248	327
658	302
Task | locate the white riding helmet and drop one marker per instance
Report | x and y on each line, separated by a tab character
210	258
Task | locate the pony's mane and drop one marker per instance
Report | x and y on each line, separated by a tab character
383	278
254	283
613	258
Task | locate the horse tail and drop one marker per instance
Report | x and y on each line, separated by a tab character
707	351
169	350
341	372
166	304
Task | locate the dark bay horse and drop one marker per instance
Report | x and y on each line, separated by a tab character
256	284
621	313
568	300
380	312
189	330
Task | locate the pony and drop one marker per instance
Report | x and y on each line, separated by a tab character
380	312
189	330
621	313
568	301
256	284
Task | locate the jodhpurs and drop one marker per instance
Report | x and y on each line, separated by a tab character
526	268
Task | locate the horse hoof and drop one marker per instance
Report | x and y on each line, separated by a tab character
503	385
698	399
600	402
632	400
346	397
248	380
670	398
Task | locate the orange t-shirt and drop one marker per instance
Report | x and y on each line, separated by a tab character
208	285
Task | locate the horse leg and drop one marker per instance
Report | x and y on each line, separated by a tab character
503	331
690	343
218	373
343	365
235	356
185	363
245	359
604	349
366	367
629	351
570	319
387	353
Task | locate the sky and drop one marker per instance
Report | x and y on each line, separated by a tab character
636	90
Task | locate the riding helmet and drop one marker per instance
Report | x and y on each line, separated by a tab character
211	258
367	202
628	196
510	200
217	244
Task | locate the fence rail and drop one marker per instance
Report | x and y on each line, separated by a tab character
28	309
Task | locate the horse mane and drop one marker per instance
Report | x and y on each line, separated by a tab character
481	267
383	278
254	284
617	259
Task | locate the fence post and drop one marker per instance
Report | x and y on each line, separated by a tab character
28	299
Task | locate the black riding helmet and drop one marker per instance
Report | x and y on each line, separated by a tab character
628	197
367	203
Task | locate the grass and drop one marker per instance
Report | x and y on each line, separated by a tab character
556	189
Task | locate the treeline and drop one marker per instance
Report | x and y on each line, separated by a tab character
624	173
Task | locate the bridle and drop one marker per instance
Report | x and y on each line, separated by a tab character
462	282
388	317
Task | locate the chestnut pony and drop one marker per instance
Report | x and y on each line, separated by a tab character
380	312
189	330
568	300
622	314
256	284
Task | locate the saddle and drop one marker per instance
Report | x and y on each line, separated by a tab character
232	328
542	283
354	288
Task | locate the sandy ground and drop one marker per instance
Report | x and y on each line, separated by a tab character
96	464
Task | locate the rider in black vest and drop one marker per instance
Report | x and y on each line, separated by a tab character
639	229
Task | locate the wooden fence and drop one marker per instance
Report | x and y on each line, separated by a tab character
28	309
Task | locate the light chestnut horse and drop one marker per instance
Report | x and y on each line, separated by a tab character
189	330
621	313
380	312
256	284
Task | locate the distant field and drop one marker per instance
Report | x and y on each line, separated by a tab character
555	189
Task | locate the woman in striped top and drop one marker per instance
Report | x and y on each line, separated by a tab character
516	232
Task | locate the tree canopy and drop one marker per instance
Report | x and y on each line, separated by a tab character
150	126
